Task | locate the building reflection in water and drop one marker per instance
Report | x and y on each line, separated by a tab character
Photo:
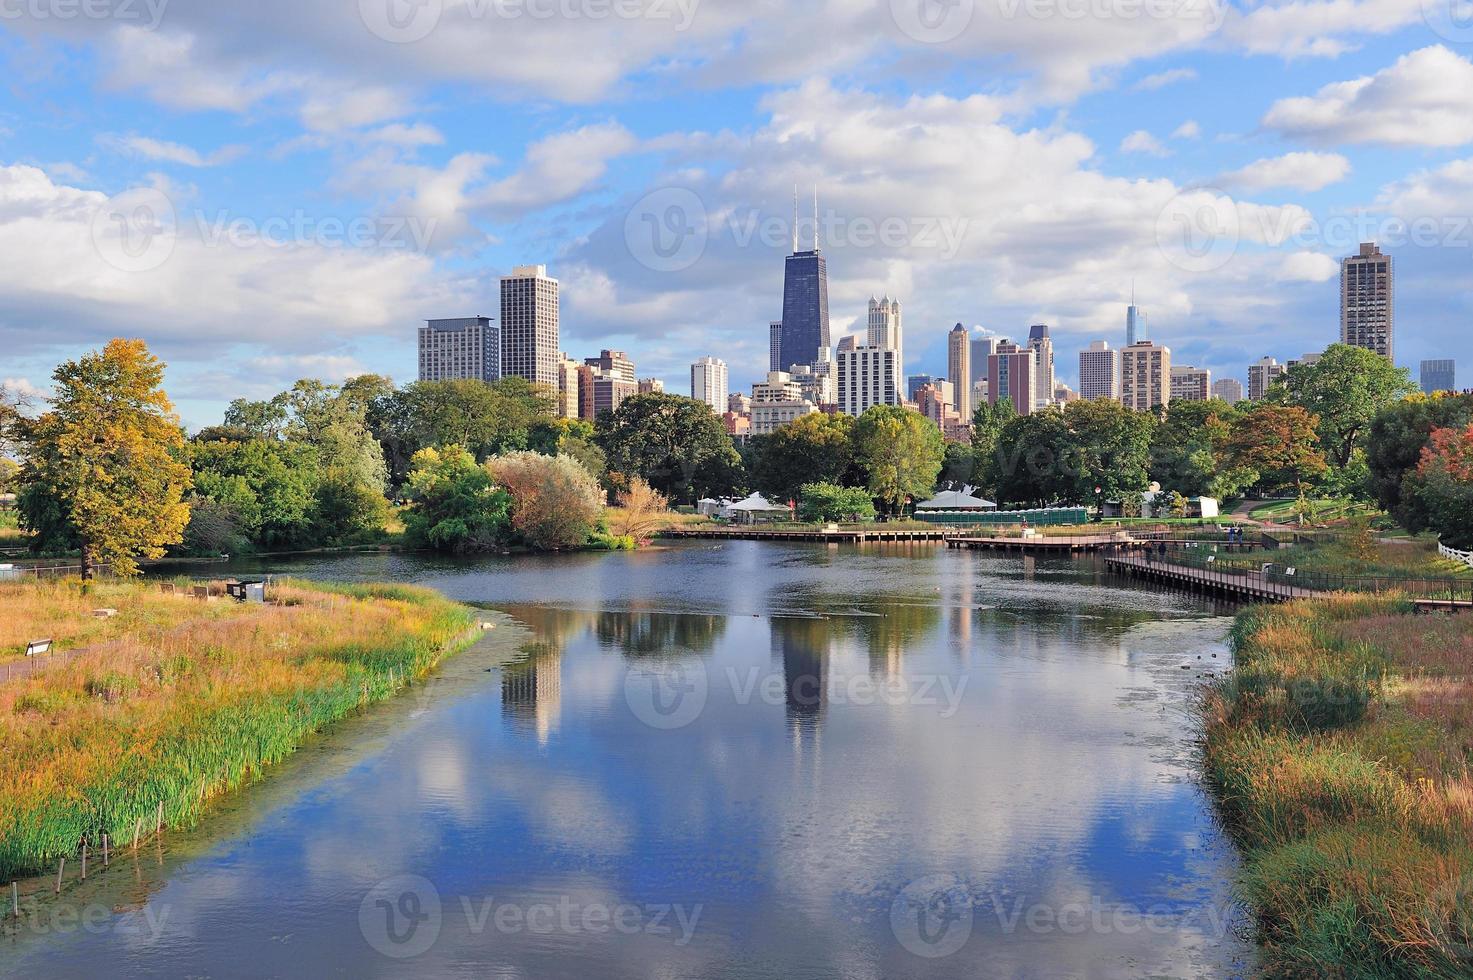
647	634
532	690
803	645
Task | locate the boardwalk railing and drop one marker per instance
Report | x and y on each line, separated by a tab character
1276	578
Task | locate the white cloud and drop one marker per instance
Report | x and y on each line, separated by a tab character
1301	171
1307	267
1421	100
399	134
1444	194
1314	28
1188	130
1141	141
148	148
1163	79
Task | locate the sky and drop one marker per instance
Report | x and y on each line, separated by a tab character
281	189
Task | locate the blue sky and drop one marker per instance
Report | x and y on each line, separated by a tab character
280	190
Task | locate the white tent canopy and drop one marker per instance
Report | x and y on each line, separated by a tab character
956	500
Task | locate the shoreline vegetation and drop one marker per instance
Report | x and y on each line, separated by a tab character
1337	751
143	729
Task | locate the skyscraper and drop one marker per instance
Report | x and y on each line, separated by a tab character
868	376
805	323
1012	374
982	349
529	325
1439	376
775	345
1191	384
1099	372
959	369
465	347
1229	390
1367	301
1261	377
1145	376
885	327
708	383
1043	348
567	387
1135	321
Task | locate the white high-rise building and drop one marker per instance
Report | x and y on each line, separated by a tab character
1261	377
1191	384
1368	301
1229	390
1099	372
467	347
1042	346
708	383
1145	376
868	376
775	346
529	325
885	327
959	369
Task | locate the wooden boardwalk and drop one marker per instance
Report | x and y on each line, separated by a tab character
841	536
1061	544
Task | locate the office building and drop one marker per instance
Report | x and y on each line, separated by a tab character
651	386
739	403
456	349
1261	377
1229	390
776	402
567	387
885	327
959	369
529	325
1438	376
1368	301
1135	322
805	322
1191	384
708	383
982	349
914	384
868	376
1043	348
775	345
1145	376
1099	372
1012	375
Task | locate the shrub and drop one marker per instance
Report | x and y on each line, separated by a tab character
829	502
555	502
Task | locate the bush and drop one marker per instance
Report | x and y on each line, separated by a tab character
555	502
454	504
829	502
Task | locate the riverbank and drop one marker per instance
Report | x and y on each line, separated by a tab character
144	730
1337	751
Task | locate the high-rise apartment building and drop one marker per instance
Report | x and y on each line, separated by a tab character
1135	322
982	349
816	382
1440	375
651	386
708	383
775	345
885	327
1367	301
1261	377
1012	375
776	402
959	369
1145	376
614	364
868	376
1043	348
455	349
529	325
1099	372
1191	384
567	387
1229	390
607	380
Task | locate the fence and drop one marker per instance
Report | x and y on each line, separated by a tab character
1466	557
16	573
1452	589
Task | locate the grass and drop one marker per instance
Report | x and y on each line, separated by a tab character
1345	556
1327	511
96	745
1338	752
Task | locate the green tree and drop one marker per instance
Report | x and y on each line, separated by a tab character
677	445
1280	444
109	454
988	422
454	503
1026	460
1108	451
816	448
1344	389
958	466
1189	450
1445	478
900	452
555	502
1394	449
831	502
269	488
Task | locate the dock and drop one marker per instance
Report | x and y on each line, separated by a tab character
840	536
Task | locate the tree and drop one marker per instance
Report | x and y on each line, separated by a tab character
1345	389
1027	458
109	452
830	502
555	502
1446	485
1394	450
988	422
677	445
1189	450
270	488
1280	444
958	466
816	448
455	505
900	452
1108	450
640	511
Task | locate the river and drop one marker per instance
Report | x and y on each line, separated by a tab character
739	759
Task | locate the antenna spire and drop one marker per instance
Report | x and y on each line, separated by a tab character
815	217
795	219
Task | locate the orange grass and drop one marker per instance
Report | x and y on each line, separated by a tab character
95	745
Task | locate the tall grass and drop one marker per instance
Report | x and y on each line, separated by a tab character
1338	753
95	746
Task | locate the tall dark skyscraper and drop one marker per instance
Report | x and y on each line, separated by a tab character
805	329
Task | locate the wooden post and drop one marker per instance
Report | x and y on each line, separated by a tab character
60	868
84	860
159	825
15	899
137	826
106	851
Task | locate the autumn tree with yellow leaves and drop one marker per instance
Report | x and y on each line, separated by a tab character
105	467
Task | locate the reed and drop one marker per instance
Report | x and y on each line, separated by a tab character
1338	754
98	745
